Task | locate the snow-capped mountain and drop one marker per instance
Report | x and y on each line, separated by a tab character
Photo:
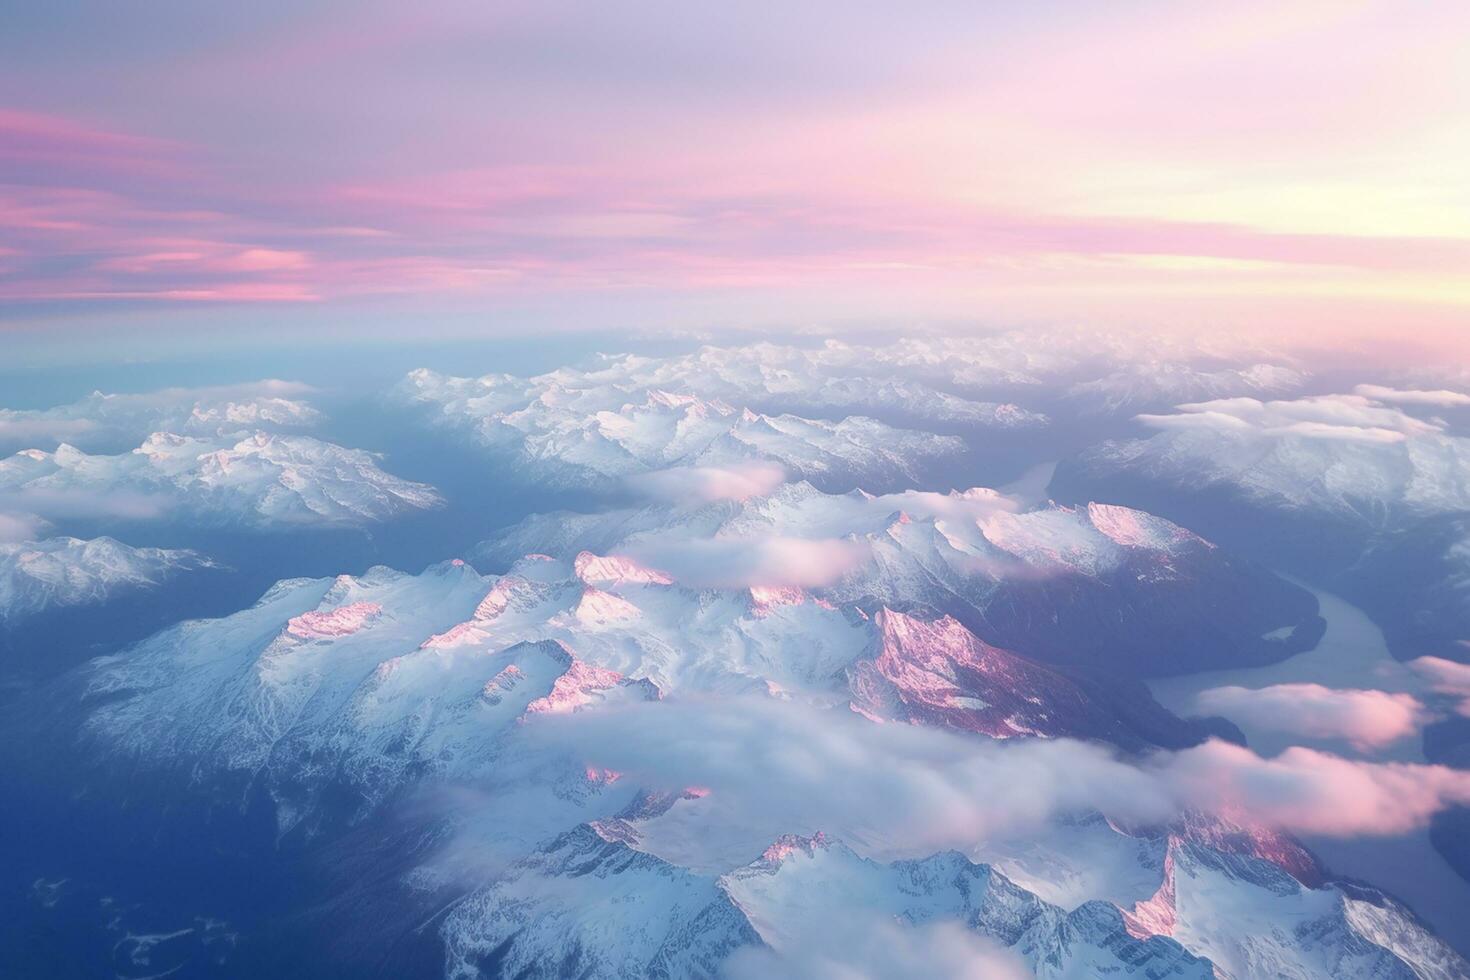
336	697
569	430
802	885
917	374
1093	586
264	405
352	686
1144	384
1252	901
258	480
365	686
614	756
590	903
830	381
945	377
1253	918
594	901
1350	459
805	408
1354	490
59	572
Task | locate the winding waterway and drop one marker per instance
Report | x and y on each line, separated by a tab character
1352	654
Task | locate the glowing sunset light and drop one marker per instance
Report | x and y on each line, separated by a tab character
1273	166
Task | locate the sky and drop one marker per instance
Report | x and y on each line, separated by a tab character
1296	169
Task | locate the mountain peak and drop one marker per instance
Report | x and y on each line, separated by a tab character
788	845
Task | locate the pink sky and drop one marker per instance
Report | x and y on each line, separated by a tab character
1300	167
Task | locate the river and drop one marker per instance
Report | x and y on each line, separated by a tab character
1352	654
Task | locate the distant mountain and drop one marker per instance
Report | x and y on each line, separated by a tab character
259	480
1313	480
61	572
1145	384
579	432
207	411
1350	490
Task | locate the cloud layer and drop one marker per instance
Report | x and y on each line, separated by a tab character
774	768
1367	719
1446	677
20	526
1438	397
682	484
1350	418
853	945
768	562
1306	791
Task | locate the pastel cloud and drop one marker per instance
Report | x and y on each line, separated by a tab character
895	790
1439	397
776	767
709	483
1367	719
868	946
78	503
1446	677
20	526
851	155
1306	791
210	257
33	427
30	140
769	561
1348	418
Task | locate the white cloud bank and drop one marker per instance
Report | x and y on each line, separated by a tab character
20	526
1439	397
1446	677
1351	418
854	945
683	484
1367	719
761	562
779	767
